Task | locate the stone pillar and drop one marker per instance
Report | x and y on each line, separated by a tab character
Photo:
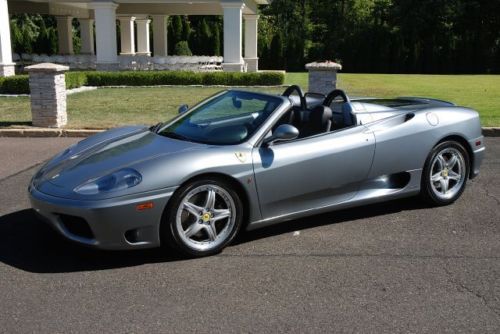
48	95
233	60
251	32
143	37
160	44
105	28
87	35
6	65
127	35
323	76
65	35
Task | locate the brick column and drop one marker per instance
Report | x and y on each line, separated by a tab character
48	95
323	76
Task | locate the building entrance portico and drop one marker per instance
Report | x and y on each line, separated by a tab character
100	18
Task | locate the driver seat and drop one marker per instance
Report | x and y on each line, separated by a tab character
320	121
348	115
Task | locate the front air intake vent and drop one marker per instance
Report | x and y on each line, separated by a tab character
77	226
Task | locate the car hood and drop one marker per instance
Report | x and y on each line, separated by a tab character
107	152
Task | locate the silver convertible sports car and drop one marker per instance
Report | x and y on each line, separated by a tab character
243	160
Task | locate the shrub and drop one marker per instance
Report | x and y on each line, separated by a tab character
18	84
75	79
182	49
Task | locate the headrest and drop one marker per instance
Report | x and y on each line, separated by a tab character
320	114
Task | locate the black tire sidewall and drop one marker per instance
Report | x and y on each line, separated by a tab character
426	189
169	231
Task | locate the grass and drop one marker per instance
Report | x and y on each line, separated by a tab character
110	107
479	92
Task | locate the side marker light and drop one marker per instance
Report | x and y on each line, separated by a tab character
144	206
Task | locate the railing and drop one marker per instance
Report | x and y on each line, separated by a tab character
132	62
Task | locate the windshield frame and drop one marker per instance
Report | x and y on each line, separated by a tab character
250	139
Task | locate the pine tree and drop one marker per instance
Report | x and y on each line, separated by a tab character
276	53
205	36
216	49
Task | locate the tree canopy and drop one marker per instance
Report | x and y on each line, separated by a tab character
391	36
372	36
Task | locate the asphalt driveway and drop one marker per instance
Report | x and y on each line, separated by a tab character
393	267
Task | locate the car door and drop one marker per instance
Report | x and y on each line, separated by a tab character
313	172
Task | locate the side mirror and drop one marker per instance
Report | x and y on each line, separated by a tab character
237	103
183	108
282	133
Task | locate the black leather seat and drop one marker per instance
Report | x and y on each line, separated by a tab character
320	121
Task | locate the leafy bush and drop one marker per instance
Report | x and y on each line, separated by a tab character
182	49
76	79
19	84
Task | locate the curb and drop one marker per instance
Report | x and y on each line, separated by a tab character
41	132
38	133
491	132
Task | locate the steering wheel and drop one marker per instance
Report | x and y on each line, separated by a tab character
295	88
333	94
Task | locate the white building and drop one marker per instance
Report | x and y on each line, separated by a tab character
134	17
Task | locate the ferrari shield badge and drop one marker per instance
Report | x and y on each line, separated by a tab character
242	157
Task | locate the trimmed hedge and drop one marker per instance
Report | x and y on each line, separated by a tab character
154	78
19	84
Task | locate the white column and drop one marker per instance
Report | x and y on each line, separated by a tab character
160	44
233	60
65	35
143	37
105	28
87	35
251	32
6	64
127	33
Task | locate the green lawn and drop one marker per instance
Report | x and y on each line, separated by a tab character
109	107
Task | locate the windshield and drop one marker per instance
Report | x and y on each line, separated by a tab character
228	119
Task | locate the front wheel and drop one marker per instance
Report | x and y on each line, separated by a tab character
204	216
445	173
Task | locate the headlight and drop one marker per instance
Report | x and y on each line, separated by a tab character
119	180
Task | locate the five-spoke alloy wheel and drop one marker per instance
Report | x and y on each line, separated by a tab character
204	216
445	173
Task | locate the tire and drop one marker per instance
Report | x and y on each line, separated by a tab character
445	173
202	218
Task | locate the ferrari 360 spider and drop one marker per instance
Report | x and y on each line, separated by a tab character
244	160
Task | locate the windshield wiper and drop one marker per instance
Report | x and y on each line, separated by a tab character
156	128
174	135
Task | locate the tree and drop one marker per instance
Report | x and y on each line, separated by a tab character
204	39
276	53
215	41
174	32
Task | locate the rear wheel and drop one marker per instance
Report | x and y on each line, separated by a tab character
203	217
445	173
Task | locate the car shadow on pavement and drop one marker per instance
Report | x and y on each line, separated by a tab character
29	244
334	217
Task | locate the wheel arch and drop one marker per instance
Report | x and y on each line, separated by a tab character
238	187
461	140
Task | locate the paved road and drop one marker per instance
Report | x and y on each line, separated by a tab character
393	267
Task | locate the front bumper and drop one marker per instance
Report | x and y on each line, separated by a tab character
113	224
478	150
